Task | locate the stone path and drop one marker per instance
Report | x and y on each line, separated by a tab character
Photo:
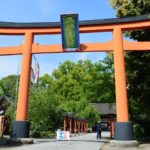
82	142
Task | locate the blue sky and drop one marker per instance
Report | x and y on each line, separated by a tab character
49	11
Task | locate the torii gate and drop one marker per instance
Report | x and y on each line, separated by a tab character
123	127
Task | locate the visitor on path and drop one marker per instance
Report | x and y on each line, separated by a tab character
98	129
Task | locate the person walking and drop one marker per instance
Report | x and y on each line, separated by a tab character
98	129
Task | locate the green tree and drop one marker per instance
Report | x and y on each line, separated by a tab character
1	91
43	112
137	64
70	89
78	84
9	88
105	88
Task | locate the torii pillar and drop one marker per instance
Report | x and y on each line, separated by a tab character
75	126
82	130
123	128
65	121
83	126
70	123
21	126
79	125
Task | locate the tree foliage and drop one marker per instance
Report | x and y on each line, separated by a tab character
8	86
69	89
42	110
128	8
77	84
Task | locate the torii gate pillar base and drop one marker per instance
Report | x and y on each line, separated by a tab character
20	129
123	131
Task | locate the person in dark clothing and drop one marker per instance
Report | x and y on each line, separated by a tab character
98	129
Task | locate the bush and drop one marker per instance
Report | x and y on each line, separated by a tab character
44	134
138	131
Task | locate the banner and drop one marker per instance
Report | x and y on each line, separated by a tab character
70	32
34	74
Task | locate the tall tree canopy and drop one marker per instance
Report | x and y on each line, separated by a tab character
77	84
137	64
69	89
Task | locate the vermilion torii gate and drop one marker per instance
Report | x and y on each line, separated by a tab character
123	127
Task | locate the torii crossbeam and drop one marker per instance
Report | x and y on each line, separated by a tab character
123	127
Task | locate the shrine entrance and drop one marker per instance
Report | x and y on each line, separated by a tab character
123	127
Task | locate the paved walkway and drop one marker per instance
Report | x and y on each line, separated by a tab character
82	142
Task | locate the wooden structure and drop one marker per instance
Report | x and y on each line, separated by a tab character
117	45
78	125
2	125
105	110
